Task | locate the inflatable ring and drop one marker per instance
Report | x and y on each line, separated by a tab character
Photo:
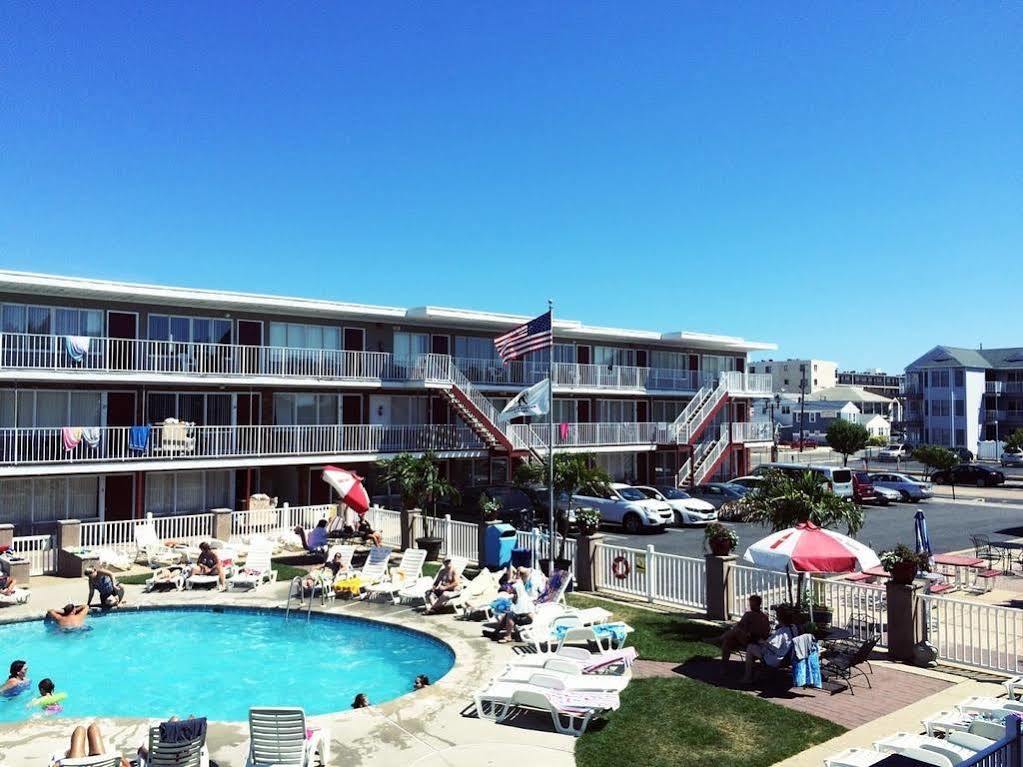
48	700
621	568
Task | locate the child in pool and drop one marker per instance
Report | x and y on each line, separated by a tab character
46	689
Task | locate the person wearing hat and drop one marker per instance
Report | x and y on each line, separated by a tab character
71	617
445	586
103	582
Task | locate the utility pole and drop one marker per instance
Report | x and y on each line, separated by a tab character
802	404
774	429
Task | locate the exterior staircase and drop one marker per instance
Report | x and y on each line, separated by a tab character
705	459
707	403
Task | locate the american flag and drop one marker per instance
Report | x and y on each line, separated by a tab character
535	334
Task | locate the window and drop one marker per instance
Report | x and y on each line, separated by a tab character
293	335
671	360
666	410
409	411
45	499
616	411
47	320
305	409
767	369
611	356
959	377
960	437
960	407
621	466
815	380
201	330
408	346
939	378
202	409
786	382
940	408
188	492
565	411
51	408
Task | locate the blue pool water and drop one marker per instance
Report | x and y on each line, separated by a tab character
156	663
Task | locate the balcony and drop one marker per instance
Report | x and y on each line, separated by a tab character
569	376
752	431
1004	387
593	435
168	445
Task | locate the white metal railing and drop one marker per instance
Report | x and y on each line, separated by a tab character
118	535
862	608
38	550
752	431
651	575
187	527
975	634
462	540
40	445
710	456
570	375
747	383
592	434
387	523
1004	387
137	355
744	582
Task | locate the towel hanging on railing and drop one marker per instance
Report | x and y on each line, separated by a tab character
138	438
91	435
77	347
71	436
563	430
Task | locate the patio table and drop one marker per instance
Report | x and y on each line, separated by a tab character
1005	550
960	565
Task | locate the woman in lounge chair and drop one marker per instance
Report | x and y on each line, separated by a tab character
88	742
104	582
17	679
533	580
368	533
316	539
445	586
324	576
772	651
208	563
754	626
520	614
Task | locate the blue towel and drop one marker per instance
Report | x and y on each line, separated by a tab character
614	630
183	731
77	347
500	606
806	672
138	438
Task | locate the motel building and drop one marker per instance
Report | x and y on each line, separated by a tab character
119	400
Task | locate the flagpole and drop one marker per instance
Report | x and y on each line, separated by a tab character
550	440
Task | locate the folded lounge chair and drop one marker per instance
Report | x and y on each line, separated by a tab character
279	737
258	567
477	594
570	710
406	574
570	678
579	660
866	757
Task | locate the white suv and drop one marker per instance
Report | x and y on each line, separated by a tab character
626	506
894	453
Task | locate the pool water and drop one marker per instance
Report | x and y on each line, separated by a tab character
157	663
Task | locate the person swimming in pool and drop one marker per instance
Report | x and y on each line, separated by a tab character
17	679
103	582
361	701
421	681
71	617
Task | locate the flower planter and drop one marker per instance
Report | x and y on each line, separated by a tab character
432	547
904	572
720	547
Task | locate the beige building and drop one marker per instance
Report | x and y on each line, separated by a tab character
786	375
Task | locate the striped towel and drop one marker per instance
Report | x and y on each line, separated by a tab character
583	701
625	656
615	630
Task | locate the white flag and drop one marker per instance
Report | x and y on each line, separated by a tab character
533	401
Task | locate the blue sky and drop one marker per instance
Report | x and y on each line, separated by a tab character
845	179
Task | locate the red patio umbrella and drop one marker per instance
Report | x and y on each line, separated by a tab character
349	486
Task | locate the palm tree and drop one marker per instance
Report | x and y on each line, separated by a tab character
784	500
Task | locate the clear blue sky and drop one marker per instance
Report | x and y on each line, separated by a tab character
845	179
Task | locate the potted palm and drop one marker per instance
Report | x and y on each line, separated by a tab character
420	485
720	539
904	563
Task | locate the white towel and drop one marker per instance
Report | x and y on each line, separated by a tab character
91	435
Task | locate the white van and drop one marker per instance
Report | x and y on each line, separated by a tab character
839	478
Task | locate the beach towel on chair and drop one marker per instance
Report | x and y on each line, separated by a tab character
183	731
625	657
582	701
602	630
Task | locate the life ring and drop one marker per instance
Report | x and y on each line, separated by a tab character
621	568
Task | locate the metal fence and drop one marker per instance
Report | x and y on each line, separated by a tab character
651	575
39	550
973	633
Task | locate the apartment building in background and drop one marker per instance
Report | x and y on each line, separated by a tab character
874	381
786	375
120	399
958	397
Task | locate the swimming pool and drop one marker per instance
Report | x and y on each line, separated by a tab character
217	663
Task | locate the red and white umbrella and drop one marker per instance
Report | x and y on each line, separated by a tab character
348	485
811	549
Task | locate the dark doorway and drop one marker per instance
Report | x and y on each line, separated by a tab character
119	497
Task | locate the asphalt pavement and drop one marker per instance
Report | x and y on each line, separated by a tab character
950	525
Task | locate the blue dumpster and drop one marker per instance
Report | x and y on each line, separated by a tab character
498	543
522	557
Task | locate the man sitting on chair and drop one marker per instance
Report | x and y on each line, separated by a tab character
754	626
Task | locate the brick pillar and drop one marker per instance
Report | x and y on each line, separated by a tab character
6	535
905	620
69	534
586	561
717	586
221	524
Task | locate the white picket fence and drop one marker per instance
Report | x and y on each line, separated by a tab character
744	582
974	634
387	523
39	551
652	575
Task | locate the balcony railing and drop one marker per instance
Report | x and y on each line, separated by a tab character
75	354
182	443
593	434
752	431
1004	387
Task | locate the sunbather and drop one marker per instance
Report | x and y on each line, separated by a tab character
7	584
520	614
70	617
165	577
368	533
316	539
103	582
88	742
208	563
772	651
445	586
17	679
754	626
324	576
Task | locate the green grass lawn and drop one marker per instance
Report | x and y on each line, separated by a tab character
680	722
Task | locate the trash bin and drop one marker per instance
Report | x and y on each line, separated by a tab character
497	545
522	557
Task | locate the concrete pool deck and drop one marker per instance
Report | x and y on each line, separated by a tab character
434	727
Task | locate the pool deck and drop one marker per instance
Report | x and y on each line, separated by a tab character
434	727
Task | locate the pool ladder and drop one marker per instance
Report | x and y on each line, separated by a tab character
295	590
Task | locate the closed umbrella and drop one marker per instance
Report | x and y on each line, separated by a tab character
349	486
808	548
923	540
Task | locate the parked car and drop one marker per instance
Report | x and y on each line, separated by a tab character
908	489
838	478
1012	458
963	454
626	506
750	482
717	493
895	452
886	496
863	490
688	510
517	505
968	474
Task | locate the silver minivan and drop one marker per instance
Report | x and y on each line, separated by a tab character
839	478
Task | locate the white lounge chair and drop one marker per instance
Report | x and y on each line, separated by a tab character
151	550
956	720
570	710
865	757
543	630
579	660
118	560
177	580
374	569
101	760
900	741
477	594
190	753
19	597
417	590
606	636
226	557
982	704
570	677
258	567
323	583
278	738
406	574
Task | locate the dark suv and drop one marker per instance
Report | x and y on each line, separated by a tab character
968	474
